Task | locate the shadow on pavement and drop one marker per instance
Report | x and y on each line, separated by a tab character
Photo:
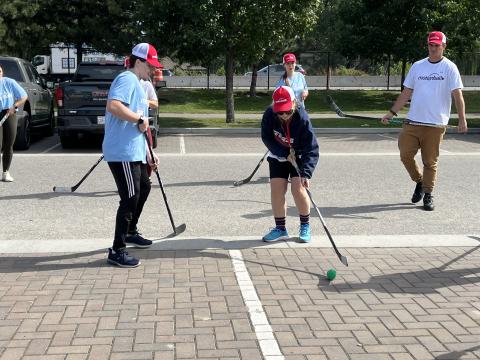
457	354
53	195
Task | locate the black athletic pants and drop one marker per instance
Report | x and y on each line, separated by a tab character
8	132
133	186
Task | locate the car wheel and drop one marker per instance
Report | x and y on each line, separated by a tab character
22	141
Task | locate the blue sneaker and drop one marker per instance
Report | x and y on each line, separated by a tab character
275	234
305	233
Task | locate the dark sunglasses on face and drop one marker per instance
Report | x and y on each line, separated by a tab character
285	112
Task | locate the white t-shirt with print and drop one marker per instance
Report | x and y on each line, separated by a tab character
432	85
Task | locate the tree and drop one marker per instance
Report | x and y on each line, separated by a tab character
21	27
238	30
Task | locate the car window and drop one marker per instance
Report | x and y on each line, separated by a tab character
94	72
12	70
38	79
279	68
30	75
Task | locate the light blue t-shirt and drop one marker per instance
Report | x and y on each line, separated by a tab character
123	141
298	85
10	91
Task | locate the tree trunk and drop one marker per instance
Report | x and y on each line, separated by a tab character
404	68
229	64
253	83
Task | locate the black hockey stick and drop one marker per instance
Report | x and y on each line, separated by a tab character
3	119
176	230
246	180
66	189
398	121
340	113
342	258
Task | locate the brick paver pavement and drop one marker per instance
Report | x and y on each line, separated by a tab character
415	303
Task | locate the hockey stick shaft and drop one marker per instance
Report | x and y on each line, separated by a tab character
246	180
161	187
3	119
75	187
341	257
398	121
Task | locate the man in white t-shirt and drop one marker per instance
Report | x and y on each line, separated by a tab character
430	83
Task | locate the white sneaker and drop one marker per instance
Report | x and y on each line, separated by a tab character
7	177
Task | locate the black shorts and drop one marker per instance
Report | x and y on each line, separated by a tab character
281	169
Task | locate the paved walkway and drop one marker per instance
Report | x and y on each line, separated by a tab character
257	303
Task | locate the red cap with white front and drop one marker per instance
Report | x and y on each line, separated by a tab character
147	52
283	98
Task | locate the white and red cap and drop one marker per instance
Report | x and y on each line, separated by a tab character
283	98
289	58
437	37
147	52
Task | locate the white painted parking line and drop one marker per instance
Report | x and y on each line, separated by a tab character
182	145
50	148
263	330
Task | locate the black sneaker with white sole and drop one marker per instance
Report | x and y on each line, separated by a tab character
418	193
136	239
122	259
428	202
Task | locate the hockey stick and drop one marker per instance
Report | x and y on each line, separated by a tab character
66	189
340	113
181	228
342	258
3	119
398	121
246	180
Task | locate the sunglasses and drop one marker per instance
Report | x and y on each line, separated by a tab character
284	112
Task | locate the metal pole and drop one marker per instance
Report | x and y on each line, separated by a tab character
388	73
328	70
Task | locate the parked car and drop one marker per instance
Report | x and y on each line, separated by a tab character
276	70
81	102
167	72
37	112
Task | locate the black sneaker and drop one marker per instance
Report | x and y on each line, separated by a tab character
428	202
122	259
136	239
418	193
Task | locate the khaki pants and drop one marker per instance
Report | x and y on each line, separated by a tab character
427	139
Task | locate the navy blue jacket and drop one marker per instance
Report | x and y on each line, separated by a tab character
302	139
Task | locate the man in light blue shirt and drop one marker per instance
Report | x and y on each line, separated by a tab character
125	150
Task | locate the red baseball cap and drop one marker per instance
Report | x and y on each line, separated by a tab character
147	52
283	98
437	37
289	58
